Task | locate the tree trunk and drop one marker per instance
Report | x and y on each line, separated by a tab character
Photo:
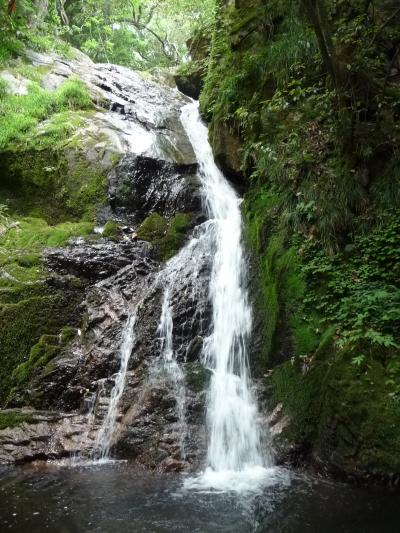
41	8
317	14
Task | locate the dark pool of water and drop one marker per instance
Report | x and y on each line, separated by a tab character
120	499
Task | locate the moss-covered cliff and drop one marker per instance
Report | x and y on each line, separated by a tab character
319	156
49	192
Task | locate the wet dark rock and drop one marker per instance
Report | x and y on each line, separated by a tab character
173	465
190	84
227	148
94	354
47	435
94	261
152	434
194	349
141	185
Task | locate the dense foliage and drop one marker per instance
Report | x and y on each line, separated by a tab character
137	33
277	95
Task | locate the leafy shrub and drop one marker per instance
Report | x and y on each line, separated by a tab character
358	289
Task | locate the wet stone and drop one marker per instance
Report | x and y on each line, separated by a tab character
141	185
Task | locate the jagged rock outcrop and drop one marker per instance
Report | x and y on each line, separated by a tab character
134	114
94	261
42	435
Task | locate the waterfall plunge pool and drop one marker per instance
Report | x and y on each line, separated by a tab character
119	498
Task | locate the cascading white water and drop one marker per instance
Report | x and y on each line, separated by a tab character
172	367
234	457
103	443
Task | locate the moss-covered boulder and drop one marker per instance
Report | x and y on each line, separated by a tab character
167	236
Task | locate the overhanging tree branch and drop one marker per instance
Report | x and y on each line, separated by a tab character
168	49
63	14
384	24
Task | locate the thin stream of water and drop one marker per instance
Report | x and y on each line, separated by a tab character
103	443
172	367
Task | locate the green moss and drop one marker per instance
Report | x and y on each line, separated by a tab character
67	334
175	235
52	194
349	412
196	376
31	313
39	363
280	285
37	311
111	230
12	419
40	354
73	95
153	228
54	185
28	71
30	309
302	398
188	69
166	235
44	174
55	133
85	191
32	234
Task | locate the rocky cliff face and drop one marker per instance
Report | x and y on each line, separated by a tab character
59	385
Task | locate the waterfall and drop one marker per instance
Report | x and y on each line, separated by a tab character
233	456
102	446
172	367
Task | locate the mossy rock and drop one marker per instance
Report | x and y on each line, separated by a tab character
12	419
346	414
111	230
40	354
153	228
167	236
363	412
196	376
54	185
38	311
189	78
26	377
